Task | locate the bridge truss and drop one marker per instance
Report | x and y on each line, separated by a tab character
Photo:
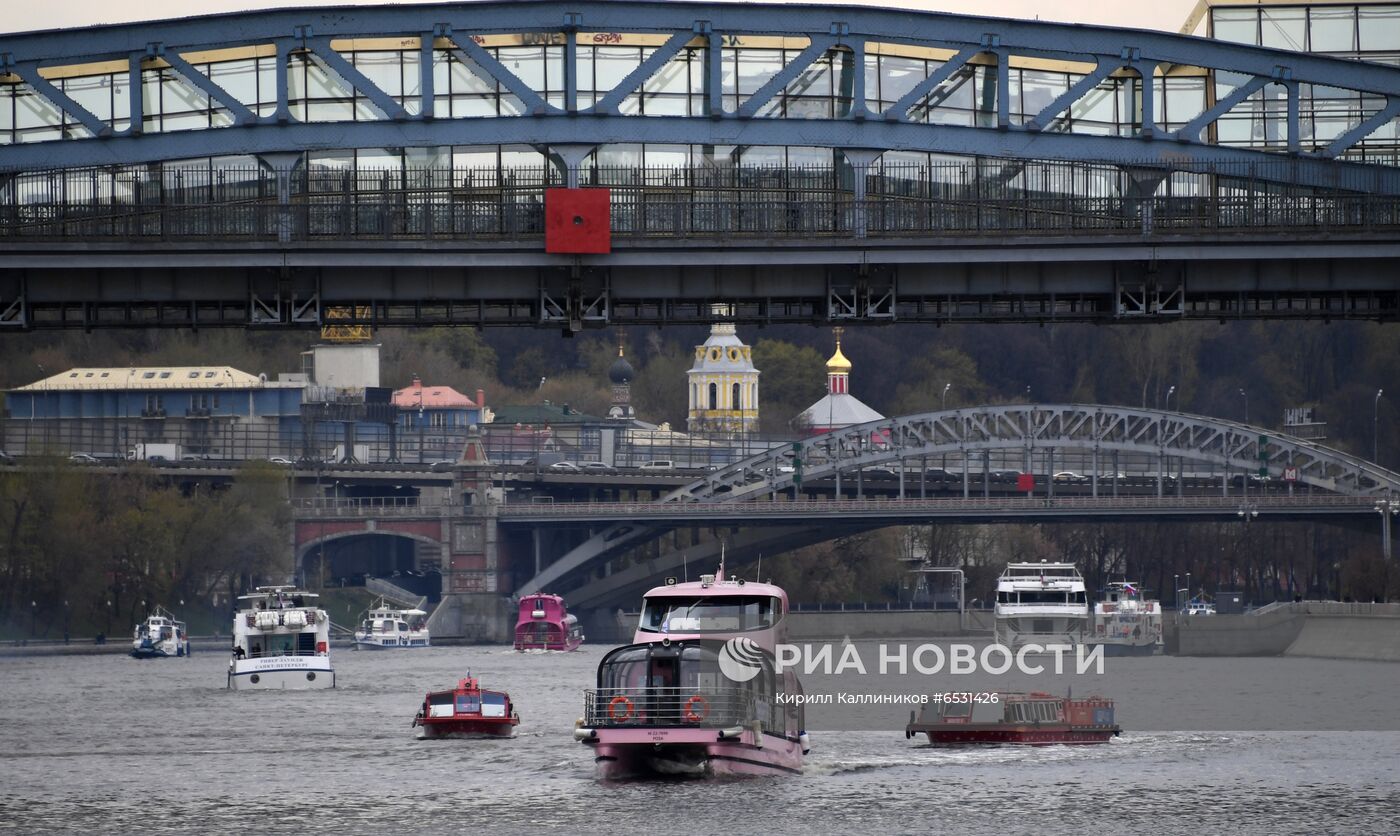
219	145
1032	438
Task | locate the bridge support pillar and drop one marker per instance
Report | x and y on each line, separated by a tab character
475	604
860	159
282	165
571	157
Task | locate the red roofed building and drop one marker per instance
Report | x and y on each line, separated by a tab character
439	406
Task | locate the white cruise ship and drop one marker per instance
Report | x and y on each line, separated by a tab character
1041	603
281	641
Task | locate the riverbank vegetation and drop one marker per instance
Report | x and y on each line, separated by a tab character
86	553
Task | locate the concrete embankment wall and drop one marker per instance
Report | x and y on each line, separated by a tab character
1324	629
1373	637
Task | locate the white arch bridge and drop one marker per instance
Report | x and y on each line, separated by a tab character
992	464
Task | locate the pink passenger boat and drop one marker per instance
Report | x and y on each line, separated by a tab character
697	693
545	624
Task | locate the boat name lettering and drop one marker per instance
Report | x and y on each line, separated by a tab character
275	662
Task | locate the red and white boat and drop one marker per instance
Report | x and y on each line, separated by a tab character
698	693
1034	719
466	711
545	624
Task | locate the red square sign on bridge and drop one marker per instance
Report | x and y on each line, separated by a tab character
577	221
1025	482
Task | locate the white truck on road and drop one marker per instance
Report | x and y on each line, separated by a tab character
154	452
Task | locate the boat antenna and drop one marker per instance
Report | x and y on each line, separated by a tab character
758	573
719	575
685	568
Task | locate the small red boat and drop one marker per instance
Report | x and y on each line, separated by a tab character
466	711
545	624
1034	719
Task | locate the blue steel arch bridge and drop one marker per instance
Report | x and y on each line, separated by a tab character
944	466
388	165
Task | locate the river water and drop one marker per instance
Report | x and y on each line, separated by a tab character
107	744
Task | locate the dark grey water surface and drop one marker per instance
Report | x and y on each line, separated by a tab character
106	744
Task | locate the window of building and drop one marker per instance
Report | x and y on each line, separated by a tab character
737	402
148	375
164	375
714	396
193	375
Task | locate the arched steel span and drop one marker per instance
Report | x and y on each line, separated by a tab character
1098	430
402	119
1036	431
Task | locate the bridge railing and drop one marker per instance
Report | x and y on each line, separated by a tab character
364	506
1220	504
224	439
976	197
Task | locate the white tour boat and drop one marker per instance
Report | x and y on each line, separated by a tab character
1041	603
1125	623
281	641
159	636
384	627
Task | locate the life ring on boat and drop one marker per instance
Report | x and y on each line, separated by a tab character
697	708
628	710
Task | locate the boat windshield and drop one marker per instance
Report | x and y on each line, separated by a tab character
694	669
709	615
493	704
1040	597
468	703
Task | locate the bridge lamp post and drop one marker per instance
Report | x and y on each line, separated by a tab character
1376	425
1245	395
1170	391
944	405
1176	592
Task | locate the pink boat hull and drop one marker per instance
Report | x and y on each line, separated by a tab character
632	753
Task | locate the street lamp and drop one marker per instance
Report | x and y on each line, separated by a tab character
1245	395
1176	592
1169	398
1376	424
1248	512
1028	393
946	387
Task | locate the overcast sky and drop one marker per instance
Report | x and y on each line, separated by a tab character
25	15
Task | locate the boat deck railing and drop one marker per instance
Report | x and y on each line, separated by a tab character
668	707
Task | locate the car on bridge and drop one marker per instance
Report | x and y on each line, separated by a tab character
6	458
658	465
565	467
597	467
84	458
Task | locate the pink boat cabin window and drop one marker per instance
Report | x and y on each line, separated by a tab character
711	614
468	704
